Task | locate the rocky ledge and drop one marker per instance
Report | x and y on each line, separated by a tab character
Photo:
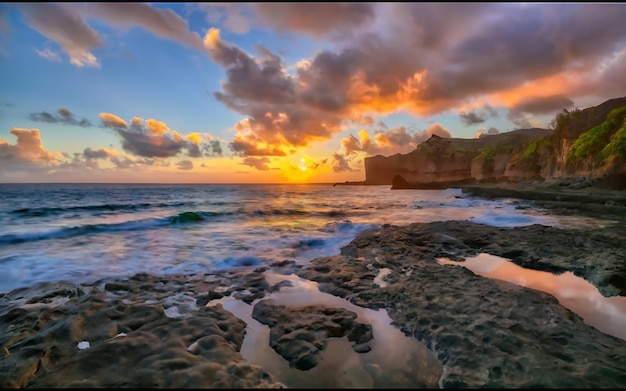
486	332
150	331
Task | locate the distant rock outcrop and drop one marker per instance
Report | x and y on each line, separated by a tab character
447	160
589	143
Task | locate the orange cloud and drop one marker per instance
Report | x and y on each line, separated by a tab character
113	121
157	127
28	149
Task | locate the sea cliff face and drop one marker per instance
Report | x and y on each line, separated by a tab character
589	143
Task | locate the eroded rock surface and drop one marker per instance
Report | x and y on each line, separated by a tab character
300	334
487	333
147	332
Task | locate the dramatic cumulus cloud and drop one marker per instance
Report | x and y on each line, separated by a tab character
63	116
433	58
154	139
28	149
284	111
377	59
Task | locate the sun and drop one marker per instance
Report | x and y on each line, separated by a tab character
298	171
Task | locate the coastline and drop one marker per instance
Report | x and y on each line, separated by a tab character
549	191
176	331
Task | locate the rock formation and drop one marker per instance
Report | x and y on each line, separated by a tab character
589	143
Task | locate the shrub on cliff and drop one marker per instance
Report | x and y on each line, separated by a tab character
603	142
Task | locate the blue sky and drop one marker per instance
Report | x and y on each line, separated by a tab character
283	92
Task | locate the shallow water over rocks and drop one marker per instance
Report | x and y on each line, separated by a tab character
607	314
394	361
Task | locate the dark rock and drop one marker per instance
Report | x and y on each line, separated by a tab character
300	334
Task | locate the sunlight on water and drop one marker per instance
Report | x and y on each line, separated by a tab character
607	314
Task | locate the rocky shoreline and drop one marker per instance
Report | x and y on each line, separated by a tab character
150	331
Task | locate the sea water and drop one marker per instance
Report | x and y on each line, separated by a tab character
85	232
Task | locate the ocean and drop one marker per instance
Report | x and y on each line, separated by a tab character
85	232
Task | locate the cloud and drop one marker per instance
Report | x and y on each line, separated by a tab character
542	105
521	113
185	165
113	121
315	19
336	20
28	149
390	142
260	163
142	143
236	17
282	113
64	117
49	55
101	153
154	139
471	118
422	63
376	59
340	164
66	24
487	132
164	23
157	127
62	23
213	148
476	115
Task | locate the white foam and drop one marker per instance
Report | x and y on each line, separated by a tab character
380	278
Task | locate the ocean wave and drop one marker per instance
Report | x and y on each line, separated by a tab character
86	229
292	212
131	207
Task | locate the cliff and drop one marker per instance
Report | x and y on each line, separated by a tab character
589	143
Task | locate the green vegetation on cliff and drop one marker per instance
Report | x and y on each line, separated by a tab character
616	149
604	142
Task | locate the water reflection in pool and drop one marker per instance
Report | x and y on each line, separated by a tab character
395	361
607	314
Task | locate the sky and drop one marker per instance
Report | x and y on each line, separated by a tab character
284	92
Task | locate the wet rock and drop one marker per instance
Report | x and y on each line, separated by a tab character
488	333
300	334
118	338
